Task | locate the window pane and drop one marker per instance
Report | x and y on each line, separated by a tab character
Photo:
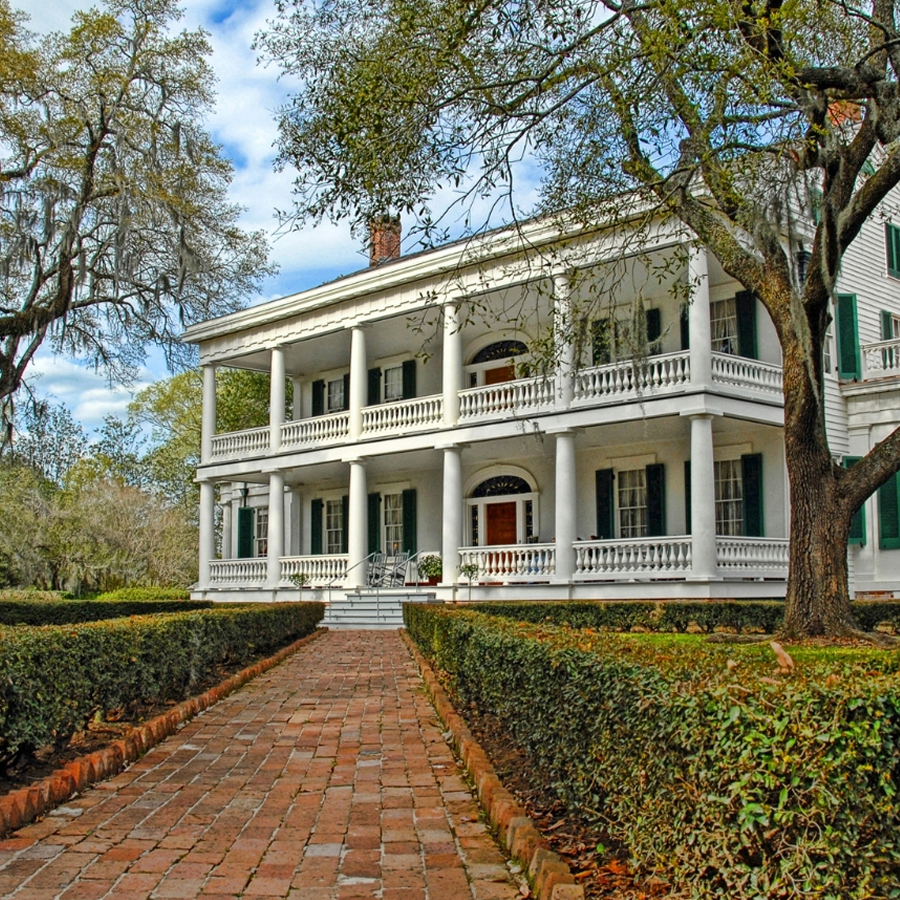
632	495
336	395
262	531
729	498
393	523
334	526
393	383
723	326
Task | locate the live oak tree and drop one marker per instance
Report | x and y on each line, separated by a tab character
730	116
115	227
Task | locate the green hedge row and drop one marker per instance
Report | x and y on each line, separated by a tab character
679	616
719	774
71	612
137	594
53	679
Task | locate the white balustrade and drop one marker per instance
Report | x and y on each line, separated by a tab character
621	380
511	562
505	399
752	557
238	444
403	415
319	570
657	557
238	571
739	371
326	429
882	359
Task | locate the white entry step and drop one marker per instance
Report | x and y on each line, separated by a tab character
371	610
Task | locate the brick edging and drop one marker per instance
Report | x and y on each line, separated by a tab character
548	873
20	807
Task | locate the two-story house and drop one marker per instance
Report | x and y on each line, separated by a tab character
416	425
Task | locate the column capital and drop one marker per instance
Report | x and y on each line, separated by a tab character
360	460
451	446
701	412
563	429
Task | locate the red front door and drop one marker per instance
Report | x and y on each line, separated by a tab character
501	523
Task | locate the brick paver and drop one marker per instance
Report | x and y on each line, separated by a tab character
327	778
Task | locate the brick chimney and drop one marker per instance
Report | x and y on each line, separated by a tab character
384	239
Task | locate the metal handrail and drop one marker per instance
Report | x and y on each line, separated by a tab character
412	559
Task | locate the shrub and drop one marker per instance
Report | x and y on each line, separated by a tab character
71	612
146	594
725	779
54	678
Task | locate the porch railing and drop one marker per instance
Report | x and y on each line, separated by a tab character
746	373
882	359
619	380
404	415
752	557
238	571
659	557
317	430
231	444
319	570
511	562
506	398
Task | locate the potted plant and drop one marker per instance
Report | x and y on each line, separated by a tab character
300	579
430	567
470	570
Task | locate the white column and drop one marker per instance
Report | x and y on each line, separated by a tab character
452	514
698	320
227	524
566	505
207	532
358	380
452	372
296	520
208	416
276	398
297	397
562	341
703	498
275	539
358	526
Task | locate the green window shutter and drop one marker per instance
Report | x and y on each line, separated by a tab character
601	342
687	496
246	522
654	329
318	398
374	392
887	325
316	515
858	522
892	242
847	337
889	514
346	391
656	500
745	306
374	523
409	379
603	486
345	523
684	322
751	478
410	526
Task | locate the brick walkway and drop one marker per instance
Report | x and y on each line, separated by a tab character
325	778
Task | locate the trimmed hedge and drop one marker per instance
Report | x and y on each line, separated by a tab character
715	772
140	594
677	615
71	612
53	679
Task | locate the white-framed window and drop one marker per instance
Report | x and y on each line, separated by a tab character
393	384
392	510
895	327
723	325
261	531
729	498
335	395
334	526
632	502
827	357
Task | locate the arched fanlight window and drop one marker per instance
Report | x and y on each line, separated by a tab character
499	350
502	486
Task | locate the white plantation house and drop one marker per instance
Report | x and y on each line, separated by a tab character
604	477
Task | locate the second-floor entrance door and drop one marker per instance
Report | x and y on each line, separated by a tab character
500	374
501	523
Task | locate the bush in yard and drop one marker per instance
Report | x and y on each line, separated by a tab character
62	612
714	770
53	679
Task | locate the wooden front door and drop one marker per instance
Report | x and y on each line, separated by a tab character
499	375
501	523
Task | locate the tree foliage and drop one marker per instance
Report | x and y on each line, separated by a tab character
115	228
727	116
